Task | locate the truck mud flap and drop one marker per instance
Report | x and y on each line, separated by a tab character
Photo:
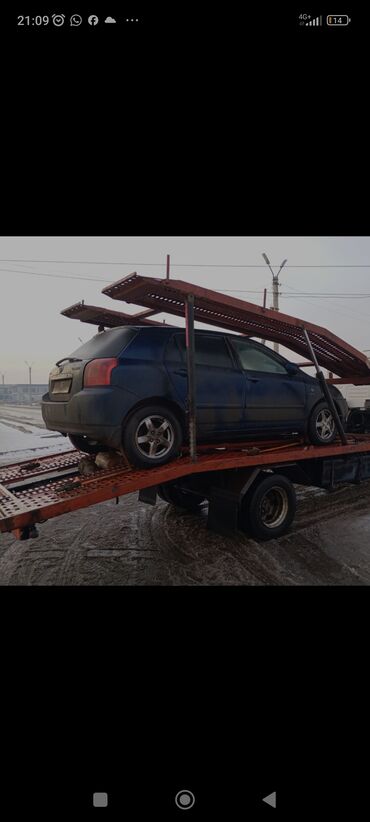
148	495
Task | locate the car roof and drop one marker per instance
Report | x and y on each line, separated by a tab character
172	329
167	330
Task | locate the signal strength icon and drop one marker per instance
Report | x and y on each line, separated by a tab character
317	21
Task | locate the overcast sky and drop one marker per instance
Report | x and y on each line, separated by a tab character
32	328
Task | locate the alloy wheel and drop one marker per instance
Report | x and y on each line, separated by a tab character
325	424
154	436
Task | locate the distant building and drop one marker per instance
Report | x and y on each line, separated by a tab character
19	394
356	395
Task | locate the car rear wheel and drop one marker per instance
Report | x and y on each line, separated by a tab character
85	444
321	425
152	436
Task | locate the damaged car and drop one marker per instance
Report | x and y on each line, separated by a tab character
126	389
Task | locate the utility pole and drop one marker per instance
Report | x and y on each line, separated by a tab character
275	289
264	306
2	377
30	381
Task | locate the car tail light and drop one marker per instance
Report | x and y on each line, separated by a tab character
97	372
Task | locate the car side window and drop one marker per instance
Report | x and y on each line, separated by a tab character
209	351
252	359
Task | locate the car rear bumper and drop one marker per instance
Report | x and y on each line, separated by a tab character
95	412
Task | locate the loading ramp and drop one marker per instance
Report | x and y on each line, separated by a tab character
34	491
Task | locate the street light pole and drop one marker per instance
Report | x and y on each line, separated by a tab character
2	377
275	289
30	381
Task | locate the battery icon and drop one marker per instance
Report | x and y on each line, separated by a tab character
338	20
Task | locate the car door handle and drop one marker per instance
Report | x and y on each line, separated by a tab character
253	379
182	372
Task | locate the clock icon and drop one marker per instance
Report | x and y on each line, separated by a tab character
58	19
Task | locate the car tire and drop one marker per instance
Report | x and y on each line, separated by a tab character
85	444
179	498
321	425
152	436
268	509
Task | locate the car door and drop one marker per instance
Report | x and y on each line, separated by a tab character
275	398
219	382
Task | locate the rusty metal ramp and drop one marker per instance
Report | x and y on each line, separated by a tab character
36	490
223	311
95	315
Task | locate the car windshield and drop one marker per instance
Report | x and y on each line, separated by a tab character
106	344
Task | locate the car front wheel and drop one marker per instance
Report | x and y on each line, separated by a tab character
152	436
321	425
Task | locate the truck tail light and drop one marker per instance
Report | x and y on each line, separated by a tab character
97	372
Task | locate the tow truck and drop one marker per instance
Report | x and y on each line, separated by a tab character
249	485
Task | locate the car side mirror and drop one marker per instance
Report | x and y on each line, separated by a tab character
292	369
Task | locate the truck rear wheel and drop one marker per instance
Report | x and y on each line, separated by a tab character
269	508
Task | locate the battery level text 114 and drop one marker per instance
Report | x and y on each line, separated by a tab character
338	19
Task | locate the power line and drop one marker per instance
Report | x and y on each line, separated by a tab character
184	265
56	276
100	280
79	262
358	315
356	295
303	294
341	295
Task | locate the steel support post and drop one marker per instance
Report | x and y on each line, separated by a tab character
326	392
190	358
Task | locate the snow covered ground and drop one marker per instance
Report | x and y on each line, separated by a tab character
23	435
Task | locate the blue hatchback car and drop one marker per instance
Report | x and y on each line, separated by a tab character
126	389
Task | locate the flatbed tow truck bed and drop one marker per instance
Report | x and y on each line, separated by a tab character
229	476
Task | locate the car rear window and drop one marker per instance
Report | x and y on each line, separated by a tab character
106	344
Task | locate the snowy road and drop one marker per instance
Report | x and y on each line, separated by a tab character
137	544
23	435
